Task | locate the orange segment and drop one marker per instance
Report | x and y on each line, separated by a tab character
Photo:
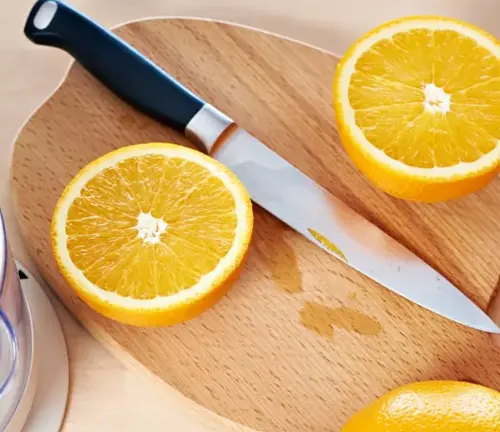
154	227
417	102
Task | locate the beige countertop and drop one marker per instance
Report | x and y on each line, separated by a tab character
126	399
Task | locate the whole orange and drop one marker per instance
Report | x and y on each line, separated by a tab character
431	406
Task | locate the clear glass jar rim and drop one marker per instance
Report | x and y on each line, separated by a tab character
3	252
5	326
10	350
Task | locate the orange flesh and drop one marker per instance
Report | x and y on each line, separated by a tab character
103	241
387	94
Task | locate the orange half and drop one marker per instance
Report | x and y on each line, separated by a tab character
152	234
417	102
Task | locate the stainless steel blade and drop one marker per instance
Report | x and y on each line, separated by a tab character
297	200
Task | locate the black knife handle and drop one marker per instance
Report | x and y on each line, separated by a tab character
119	66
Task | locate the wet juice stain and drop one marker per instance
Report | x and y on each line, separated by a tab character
352	296
322	320
279	256
327	244
285	269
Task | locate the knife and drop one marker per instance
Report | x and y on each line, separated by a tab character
272	182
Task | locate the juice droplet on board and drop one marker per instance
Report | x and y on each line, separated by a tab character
352	296
322	320
327	244
285	269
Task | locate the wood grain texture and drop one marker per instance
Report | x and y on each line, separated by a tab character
249	359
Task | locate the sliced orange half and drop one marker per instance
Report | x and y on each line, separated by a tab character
417	103
152	234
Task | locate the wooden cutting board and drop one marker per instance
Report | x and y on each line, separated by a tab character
302	341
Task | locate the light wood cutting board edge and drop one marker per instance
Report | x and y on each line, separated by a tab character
209	419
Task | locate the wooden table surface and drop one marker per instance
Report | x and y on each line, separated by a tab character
125	399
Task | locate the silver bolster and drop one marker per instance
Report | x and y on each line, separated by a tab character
206	127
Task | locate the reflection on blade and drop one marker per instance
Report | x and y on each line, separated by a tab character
291	196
